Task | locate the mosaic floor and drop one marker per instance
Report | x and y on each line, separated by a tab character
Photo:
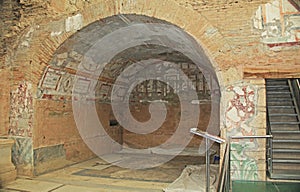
98	175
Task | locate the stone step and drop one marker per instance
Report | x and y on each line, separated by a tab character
278	96
281	107
287	123
277	87
293	154
284	128
286	144
286	165
278	92
276	83
280	99
283	114
281	111
286	135
283	118
287	161
280	103
285	174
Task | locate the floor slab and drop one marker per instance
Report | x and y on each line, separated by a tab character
32	185
99	175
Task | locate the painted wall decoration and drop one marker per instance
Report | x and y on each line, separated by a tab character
104	92
66	84
243	167
279	23
82	86
21	112
51	79
58	80
240	111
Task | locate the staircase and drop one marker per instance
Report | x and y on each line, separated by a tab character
283	123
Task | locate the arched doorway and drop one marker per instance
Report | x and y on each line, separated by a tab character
135	82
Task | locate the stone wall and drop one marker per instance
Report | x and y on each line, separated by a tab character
9	19
161	135
244	113
5	101
229	32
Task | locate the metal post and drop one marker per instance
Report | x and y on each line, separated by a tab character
207	165
271	155
229	164
207	137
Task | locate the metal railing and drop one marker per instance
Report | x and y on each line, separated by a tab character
208	137
224	179
269	146
295	90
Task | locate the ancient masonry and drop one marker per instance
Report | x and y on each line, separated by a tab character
245	41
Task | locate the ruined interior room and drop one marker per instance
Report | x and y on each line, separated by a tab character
140	95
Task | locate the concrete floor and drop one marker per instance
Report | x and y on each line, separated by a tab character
98	175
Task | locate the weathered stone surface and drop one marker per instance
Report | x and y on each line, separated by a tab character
32	31
48	153
22	155
5	102
21	111
8	171
161	135
50	156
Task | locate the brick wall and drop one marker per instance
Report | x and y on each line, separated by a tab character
31	32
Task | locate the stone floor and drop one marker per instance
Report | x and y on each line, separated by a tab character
98	175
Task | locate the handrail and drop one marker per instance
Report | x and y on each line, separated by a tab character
252	137
207	137
269	154
295	91
297	94
224	175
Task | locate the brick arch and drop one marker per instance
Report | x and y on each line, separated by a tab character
79	44
191	21
41	40
45	42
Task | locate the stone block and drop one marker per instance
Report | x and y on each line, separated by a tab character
8	171
22	155
167	11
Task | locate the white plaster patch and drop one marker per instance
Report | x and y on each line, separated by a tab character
74	23
242	113
28	36
250	109
287	7
211	31
56	33
247	128
238	90
278	22
251	98
258	20
272	11
233	115
25	44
